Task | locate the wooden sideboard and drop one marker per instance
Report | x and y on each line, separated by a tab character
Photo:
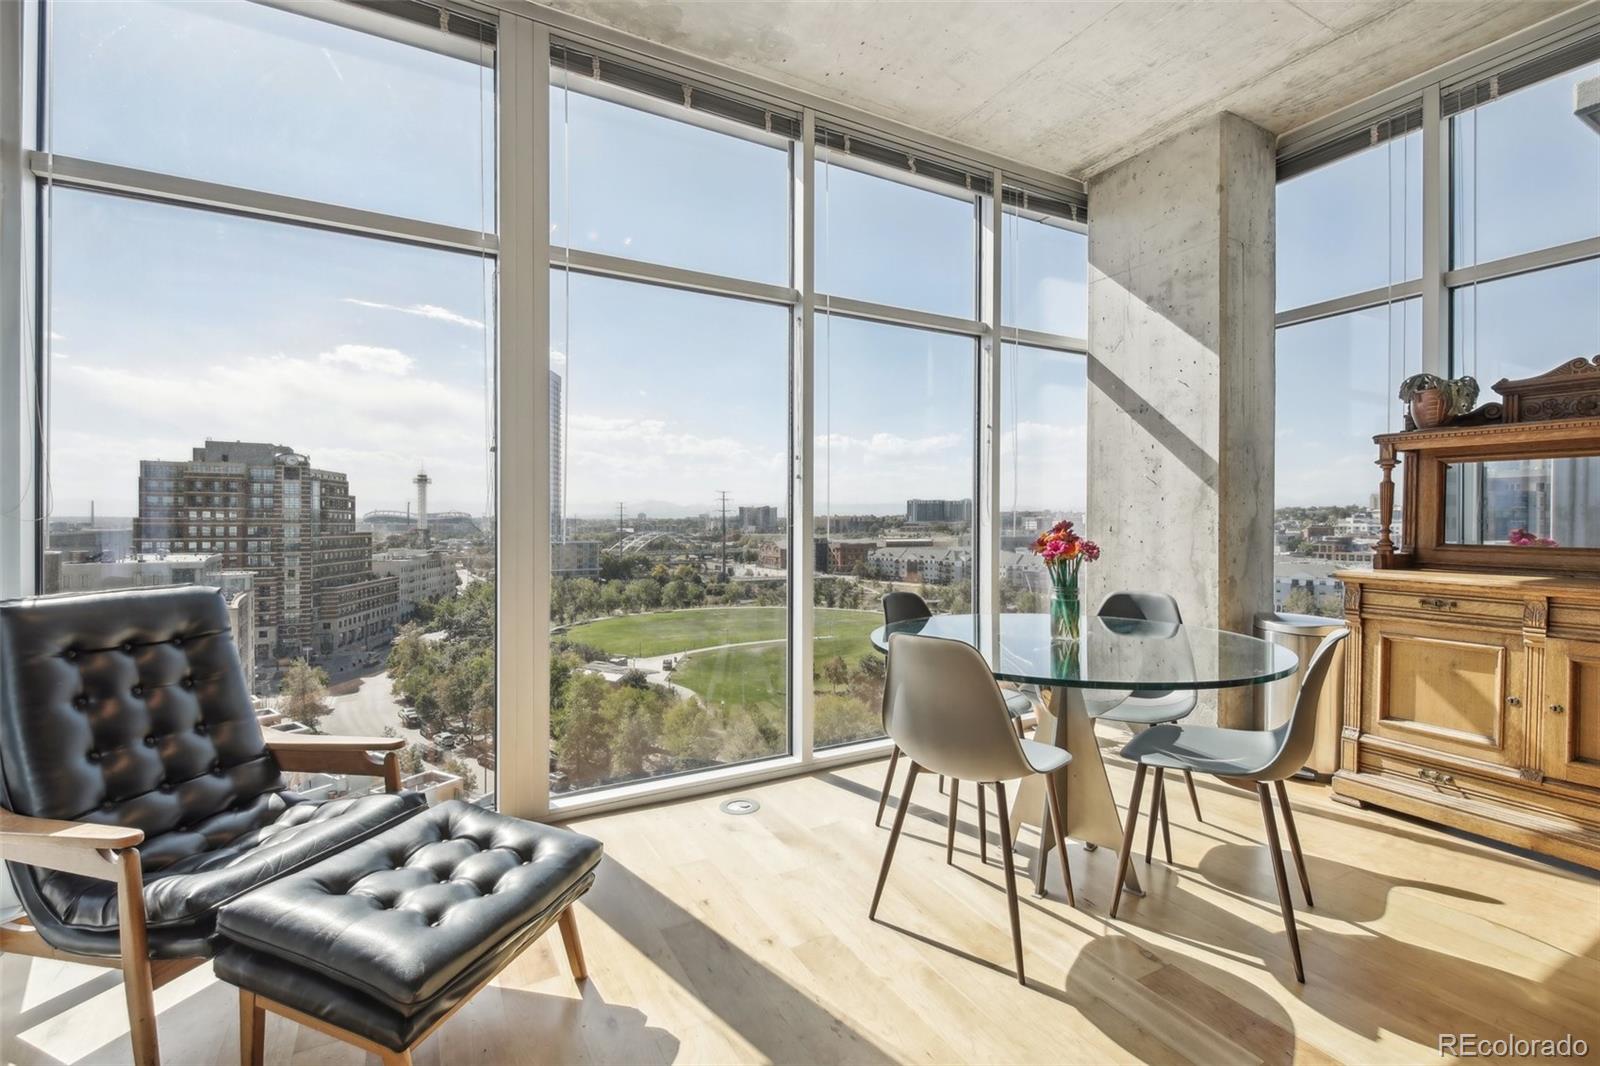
1472	680
1473	699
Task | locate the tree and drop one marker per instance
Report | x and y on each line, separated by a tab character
643	594
836	672
674	594
411	760
583	731
304	691
1301	600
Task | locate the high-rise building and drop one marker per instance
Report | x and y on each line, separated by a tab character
266	509
758	519
558	423
923	512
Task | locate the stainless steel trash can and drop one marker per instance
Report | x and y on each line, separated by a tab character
1301	633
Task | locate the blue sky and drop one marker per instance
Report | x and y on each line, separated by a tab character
372	356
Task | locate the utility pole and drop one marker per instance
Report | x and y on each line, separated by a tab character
621	529
723	500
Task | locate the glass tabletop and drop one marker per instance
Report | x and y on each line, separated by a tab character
1112	653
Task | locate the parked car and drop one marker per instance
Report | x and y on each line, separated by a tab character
410	719
462	742
446	741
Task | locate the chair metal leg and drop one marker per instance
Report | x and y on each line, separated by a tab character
1155	816
1284	902
1166	825
894	836
983	828
1011	881
1058	819
950	829
1194	797
1294	841
888	779
1127	838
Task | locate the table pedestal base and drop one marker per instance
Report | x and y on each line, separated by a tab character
1086	790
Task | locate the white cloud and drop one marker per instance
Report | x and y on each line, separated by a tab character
368	357
433	311
360	409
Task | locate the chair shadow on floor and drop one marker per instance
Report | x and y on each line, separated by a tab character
1368	981
203	1026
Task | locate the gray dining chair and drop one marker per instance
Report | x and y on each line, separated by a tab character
1144	709
908	607
943	709
1263	757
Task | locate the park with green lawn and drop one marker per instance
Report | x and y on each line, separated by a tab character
751	677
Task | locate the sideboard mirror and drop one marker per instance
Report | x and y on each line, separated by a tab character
1535	504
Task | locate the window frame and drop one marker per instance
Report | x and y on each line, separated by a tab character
521	249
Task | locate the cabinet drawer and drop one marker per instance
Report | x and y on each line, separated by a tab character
1442	605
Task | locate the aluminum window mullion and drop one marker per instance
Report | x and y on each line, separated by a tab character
1055	342
1356	301
802	449
986	512
902	316
522	630
1435	235
1524	263
72	172
18	337
400	30
611	266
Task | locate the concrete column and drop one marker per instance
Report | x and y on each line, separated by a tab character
1181	294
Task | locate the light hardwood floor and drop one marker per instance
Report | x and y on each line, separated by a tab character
715	938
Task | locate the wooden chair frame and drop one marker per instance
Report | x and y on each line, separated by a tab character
110	853
253	1008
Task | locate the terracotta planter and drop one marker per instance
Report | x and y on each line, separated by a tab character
1429	408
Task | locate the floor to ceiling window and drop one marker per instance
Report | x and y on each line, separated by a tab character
289	337
299	415
1349	245
1044	456
1524	291
669	409
896	404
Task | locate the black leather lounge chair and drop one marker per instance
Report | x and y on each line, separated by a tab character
138	793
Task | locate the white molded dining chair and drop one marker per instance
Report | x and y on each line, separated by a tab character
943	708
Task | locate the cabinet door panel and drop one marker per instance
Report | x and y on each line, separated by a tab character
1450	689
1572	712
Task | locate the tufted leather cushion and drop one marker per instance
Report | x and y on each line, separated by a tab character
400	918
130	708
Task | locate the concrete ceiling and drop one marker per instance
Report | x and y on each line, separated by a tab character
1074	87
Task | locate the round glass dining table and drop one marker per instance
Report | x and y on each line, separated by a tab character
1112	659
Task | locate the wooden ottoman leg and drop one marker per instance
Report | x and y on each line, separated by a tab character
252	1030
397	1058
569	937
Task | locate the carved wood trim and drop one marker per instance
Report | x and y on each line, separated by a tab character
1571	390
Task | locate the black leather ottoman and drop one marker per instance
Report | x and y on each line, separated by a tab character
382	942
